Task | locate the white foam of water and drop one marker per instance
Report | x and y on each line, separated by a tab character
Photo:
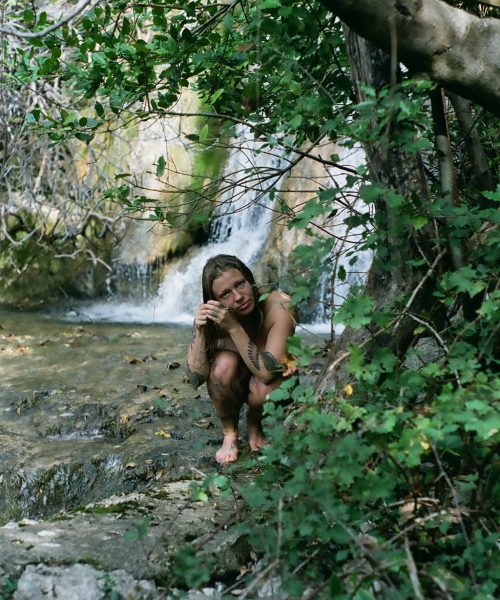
241	229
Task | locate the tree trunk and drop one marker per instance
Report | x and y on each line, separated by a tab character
392	274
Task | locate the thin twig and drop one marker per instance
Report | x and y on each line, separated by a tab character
412	571
454	499
439	339
430	271
258	579
36	34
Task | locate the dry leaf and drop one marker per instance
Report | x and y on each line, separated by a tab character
131	360
163	434
172	365
204	423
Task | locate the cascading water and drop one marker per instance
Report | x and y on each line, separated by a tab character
241	227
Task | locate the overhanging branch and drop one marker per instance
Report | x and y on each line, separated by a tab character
434	40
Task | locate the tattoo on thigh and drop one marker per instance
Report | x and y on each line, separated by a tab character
253	355
270	362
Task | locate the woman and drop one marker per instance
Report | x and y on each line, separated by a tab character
238	347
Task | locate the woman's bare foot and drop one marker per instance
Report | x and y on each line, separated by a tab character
229	450
256	437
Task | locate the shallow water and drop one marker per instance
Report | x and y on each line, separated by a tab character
91	409
40	352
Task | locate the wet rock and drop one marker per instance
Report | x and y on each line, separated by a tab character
136	533
95	474
82	582
68	443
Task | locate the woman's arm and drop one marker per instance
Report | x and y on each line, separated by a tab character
197	365
266	364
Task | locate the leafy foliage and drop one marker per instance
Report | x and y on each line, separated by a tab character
383	483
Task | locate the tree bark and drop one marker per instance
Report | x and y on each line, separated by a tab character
474	148
393	274
434	40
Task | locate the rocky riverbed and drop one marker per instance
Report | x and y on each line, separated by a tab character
101	442
101	439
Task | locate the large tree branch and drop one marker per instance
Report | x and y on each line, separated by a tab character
450	46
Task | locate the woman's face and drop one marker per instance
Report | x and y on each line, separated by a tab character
234	291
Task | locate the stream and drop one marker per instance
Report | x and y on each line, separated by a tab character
91	409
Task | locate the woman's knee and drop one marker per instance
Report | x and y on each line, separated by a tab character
224	368
259	390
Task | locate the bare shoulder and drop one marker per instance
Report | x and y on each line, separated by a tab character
278	305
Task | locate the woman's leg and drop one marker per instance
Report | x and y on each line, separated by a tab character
256	398
228	388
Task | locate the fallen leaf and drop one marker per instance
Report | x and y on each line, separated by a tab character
22	349
131	360
163	434
172	365
204	423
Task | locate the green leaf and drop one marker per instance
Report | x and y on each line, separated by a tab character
372	192
495	196
160	167
99	109
263	4
216	95
203	133
466	279
313	208
419	221
140	530
227	21
28	16
356	312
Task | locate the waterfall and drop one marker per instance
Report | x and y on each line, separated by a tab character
332	289
240	227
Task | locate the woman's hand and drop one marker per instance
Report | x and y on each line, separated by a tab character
200	316
218	313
